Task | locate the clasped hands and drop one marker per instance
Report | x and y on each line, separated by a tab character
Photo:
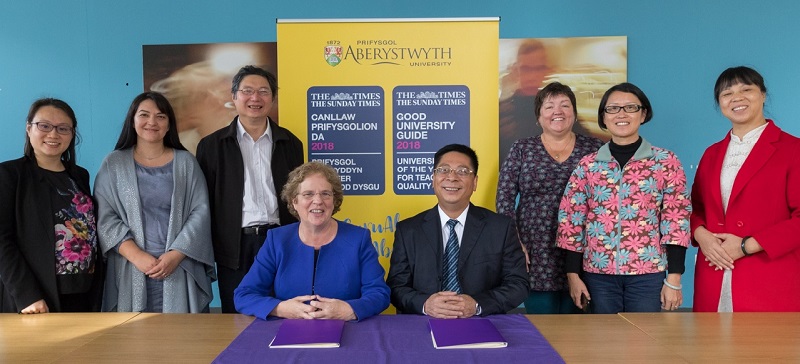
449	305
720	250
314	307
161	267
155	268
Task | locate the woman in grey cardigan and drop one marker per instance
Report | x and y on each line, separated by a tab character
154	217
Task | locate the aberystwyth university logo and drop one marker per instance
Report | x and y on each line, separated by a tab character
376	52
333	54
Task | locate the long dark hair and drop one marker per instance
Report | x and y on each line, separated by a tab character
127	138
68	157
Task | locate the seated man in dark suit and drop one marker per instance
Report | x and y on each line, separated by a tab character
457	260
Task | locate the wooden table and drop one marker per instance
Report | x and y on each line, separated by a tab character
624	338
45	338
601	339
724	337
163	338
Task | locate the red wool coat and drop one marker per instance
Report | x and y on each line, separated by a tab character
765	204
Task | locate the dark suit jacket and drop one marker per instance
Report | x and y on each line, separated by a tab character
491	264
221	161
765	204
27	238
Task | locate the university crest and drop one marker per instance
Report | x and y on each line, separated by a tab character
333	55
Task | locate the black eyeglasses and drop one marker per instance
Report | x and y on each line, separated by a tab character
445	171
630	109
250	92
47	127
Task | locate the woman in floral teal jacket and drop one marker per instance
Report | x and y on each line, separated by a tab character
624	216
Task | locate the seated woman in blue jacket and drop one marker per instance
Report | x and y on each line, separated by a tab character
317	268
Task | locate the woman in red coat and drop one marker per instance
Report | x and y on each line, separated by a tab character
746	199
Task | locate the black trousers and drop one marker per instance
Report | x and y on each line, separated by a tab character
228	279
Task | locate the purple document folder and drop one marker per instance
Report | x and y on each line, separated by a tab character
472	333
308	334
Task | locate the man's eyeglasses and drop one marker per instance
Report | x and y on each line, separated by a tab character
264	92
445	171
325	195
47	127
632	108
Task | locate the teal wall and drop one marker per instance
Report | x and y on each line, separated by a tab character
88	52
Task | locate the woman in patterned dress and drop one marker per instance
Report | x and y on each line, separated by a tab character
536	170
625	215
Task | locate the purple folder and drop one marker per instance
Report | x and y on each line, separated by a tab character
308	334
471	333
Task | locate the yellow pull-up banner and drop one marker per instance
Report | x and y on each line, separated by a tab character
375	99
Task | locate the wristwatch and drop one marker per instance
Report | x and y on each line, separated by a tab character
478	309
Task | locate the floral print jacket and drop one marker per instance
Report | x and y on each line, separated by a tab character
620	217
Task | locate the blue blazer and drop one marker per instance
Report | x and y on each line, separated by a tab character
491	264
347	269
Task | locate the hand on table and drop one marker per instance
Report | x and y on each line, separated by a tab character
449	305
295	308
331	308
470	306
39	306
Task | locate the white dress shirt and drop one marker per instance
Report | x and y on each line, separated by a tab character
260	200
462	219
459	227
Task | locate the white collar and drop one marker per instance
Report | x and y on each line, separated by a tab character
240	132
751	136
462	219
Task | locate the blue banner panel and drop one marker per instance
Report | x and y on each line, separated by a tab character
425	118
346	131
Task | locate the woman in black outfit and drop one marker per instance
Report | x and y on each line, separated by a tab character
48	245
